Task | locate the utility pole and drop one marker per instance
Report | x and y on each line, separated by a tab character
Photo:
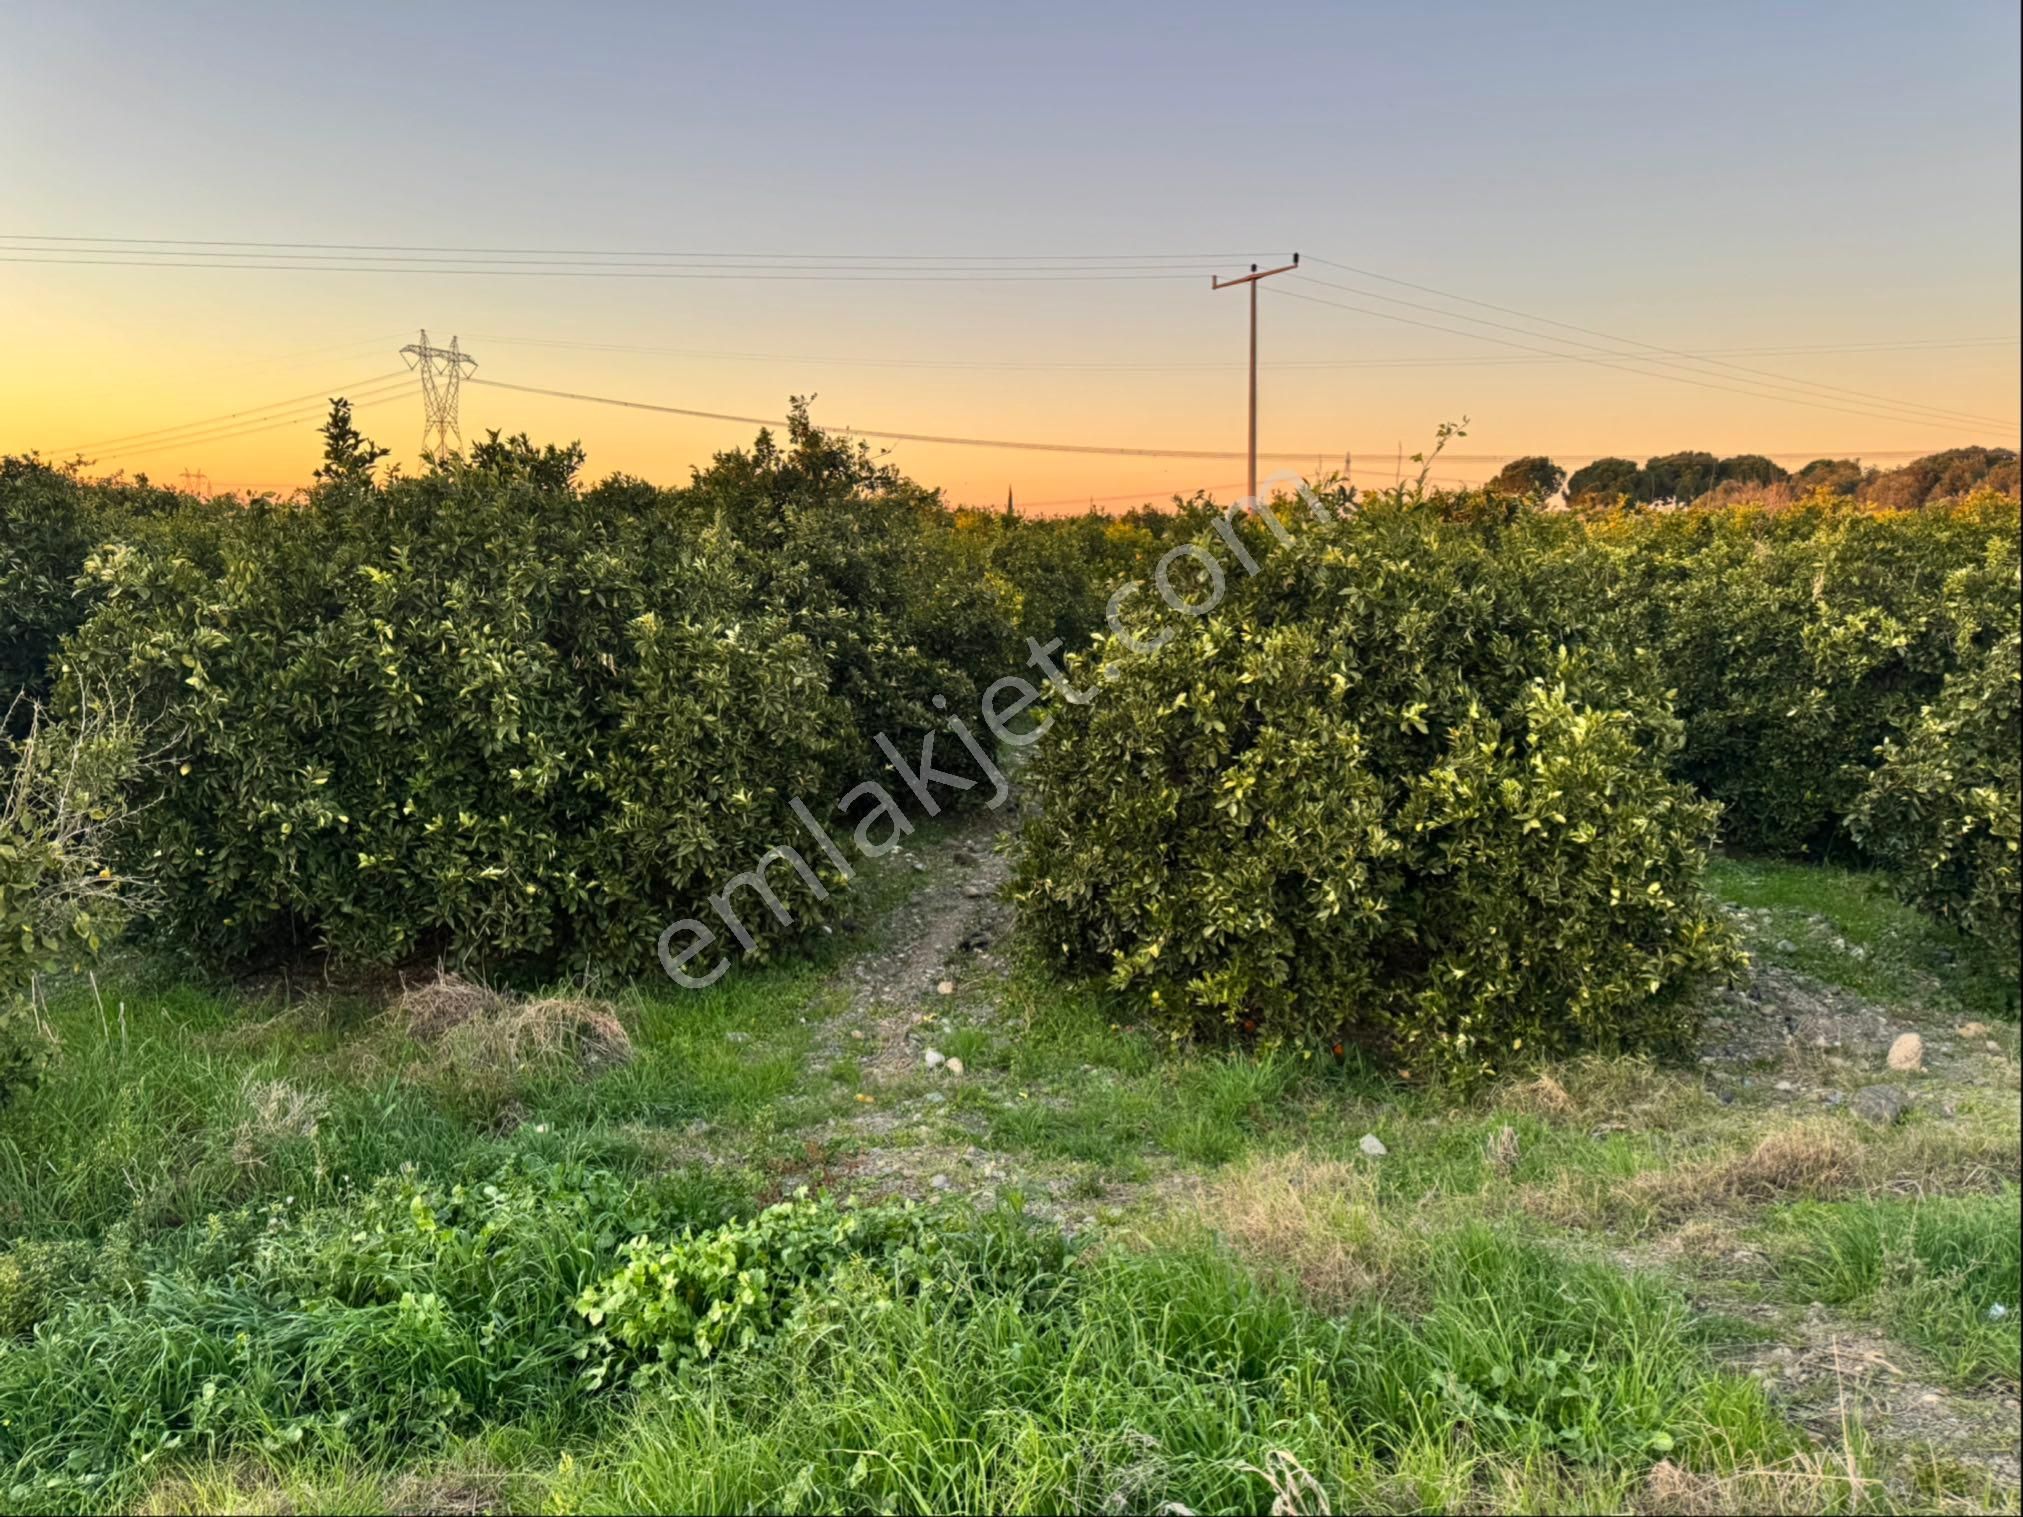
1252	279
441	370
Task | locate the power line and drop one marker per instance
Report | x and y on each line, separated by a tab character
243	411
885	436
1291	456
385	247
762	276
1017	366
1704	384
1648	346
1760	392
362	402
176	258
230	432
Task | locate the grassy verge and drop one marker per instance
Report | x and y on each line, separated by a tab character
302	1258
1940	1273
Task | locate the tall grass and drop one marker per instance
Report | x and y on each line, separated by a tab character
1138	1377
1942	1272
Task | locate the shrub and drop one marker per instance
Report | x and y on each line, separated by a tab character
461	714
50	519
701	1296
1942	808
1373	799
1797	641
61	806
34	1276
43	538
482	714
866	566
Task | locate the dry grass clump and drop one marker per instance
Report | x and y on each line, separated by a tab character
1824	1480
1313	1224
486	1046
1543	1097
1942	1159
556	1032
1632	1093
275	1112
1294	1490
1813	1159
449	1000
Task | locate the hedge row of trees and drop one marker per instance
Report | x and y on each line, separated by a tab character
1703	479
1437	779
487	711
1440	779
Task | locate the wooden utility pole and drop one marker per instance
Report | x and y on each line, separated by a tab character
1251	279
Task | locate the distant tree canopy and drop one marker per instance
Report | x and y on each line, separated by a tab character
1843	476
1940	476
1528	476
1680	476
1752	469
1606	478
1700	477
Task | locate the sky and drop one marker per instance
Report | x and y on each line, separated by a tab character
1821	198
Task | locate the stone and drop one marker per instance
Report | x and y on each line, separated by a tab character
1907	1053
940	1182
946	988
974	892
1785	1086
955	1066
935	1058
1972	1029
1373	1146
1785	945
1880	1104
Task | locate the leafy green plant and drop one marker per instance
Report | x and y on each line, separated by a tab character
1374	799
1797	641
1942	809
62	803
398	1318
461	713
705	1295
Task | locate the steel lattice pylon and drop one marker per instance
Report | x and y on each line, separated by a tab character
442	372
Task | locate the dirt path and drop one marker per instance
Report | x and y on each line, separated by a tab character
1783	1051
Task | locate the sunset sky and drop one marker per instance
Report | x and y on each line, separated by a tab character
1823	194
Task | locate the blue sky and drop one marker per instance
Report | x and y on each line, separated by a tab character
1712	178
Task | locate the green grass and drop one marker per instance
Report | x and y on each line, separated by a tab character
403	1321
1846	928
204	1307
1941	1273
1145	1375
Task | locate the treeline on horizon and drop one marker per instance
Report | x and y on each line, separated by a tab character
486	713
1702	479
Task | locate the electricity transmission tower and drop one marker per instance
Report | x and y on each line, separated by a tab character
442	372
1252	279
